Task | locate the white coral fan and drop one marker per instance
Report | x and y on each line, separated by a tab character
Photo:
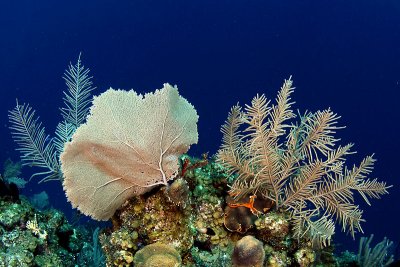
129	144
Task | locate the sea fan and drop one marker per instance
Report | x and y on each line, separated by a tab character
129	144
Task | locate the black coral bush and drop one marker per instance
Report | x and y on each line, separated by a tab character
298	165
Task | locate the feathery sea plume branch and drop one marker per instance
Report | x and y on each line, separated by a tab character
297	165
78	97
37	148
34	145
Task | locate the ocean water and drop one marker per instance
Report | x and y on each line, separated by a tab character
341	54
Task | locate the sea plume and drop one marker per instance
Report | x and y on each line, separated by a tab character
37	148
129	144
298	165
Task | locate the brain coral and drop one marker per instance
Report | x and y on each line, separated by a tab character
157	255
248	251
129	144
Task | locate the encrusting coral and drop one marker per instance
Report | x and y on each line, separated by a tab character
195	230
179	193
273	228
145	220
30	237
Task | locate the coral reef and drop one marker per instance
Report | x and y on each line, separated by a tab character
270	197
146	220
209	225
30	237
197	230
304	257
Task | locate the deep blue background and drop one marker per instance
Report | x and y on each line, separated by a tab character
342	54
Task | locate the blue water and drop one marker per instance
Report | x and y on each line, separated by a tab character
342	54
